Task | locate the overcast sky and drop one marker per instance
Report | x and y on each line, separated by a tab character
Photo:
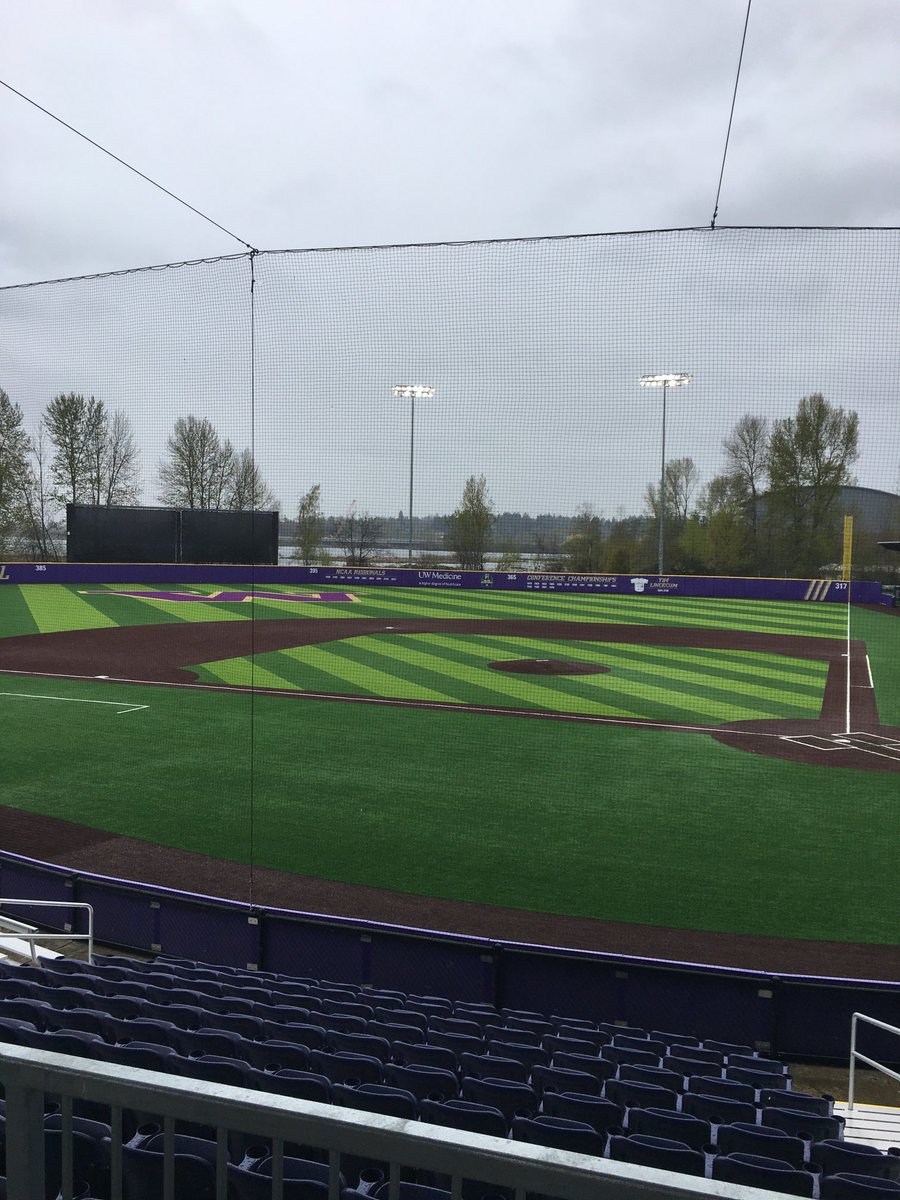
366	122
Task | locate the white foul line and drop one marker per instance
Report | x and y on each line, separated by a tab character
119	704
869	669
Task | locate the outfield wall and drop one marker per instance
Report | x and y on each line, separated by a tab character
833	591
789	1016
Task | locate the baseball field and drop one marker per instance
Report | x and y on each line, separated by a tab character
729	765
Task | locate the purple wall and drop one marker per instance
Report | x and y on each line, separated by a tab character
734	587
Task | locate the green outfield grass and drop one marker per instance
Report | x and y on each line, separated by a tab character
629	824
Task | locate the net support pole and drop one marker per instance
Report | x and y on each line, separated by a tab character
412	442
662	489
845	575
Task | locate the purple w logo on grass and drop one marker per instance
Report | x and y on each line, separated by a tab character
230	597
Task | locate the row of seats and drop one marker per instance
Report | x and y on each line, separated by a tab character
744	1156
598	1087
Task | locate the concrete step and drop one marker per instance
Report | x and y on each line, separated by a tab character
871	1123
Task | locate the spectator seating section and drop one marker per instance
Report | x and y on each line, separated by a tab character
664	1099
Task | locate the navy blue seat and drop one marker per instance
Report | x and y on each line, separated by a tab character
377	1097
424	1082
16	1033
141	1054
748	1138
359	1043
664	1123
559	1133
86	1019
71	1041
597	1040
601	1068
758	1080
512	1099
810	1126
274	1054
409	1054
753	1063
204	1041
195	1178
37	1012
533	1025
658	1075
341	1068
459	1043
455	1025
756	1171
662	1153
339	1023
401	1016
216	1069
729	1088
836	1156
90	1158
614	1030
530	1056
410	1034
674	1039
799	1101
648	1045
683	1065
697	1054
850	1186
300	1032
243	1024
718	1110
558	1043
348	1008
624	1055
727	1047
560	1079
464	1114
142	1029
602	1115
491	1066
647	1095
302	1085
412	1191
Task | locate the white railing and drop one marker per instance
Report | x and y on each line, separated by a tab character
855	1054
32	935
29	1076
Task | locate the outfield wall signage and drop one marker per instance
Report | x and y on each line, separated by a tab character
835	591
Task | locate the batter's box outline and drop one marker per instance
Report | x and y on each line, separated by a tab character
880	744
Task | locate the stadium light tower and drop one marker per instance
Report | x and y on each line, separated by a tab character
676	379
412	392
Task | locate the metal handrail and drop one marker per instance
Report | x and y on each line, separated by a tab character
30	934
855	1054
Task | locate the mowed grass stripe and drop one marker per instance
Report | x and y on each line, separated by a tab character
57	608
345	661
283	671
643	675
243	672
16	619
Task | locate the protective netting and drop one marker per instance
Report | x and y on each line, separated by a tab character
535	350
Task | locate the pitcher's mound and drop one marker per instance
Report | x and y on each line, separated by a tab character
548	666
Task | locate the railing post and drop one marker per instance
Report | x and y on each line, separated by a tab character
852	1082
24	1143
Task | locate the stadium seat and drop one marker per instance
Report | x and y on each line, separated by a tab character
836	1156
624	1055
799	1101
758	1080
685	1041
727	1048
688	1066
195	1178
658	1075
662	1153
559	1043
302	1085
278	1055
359	1043
614	1030
810	1126
409	1054
752	1063
455	1025
342	1068
697	1054
512	1099
850	1186
311	1036
459	1043
602	1115
648	1045
559	1133
718	1110
464	1114
664	1123
377	1097
560	1079
647	1095
748	1138
729	1088
753	1170
424	1082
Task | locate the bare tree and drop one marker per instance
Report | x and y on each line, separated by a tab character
14	472
310	526
357	534
71	423
38	502
681	483
199	469
249	492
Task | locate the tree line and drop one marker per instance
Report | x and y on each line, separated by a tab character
771	511
86	453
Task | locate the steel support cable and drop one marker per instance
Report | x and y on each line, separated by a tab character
737	78
122	162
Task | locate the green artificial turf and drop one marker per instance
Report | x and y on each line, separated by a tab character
629	824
